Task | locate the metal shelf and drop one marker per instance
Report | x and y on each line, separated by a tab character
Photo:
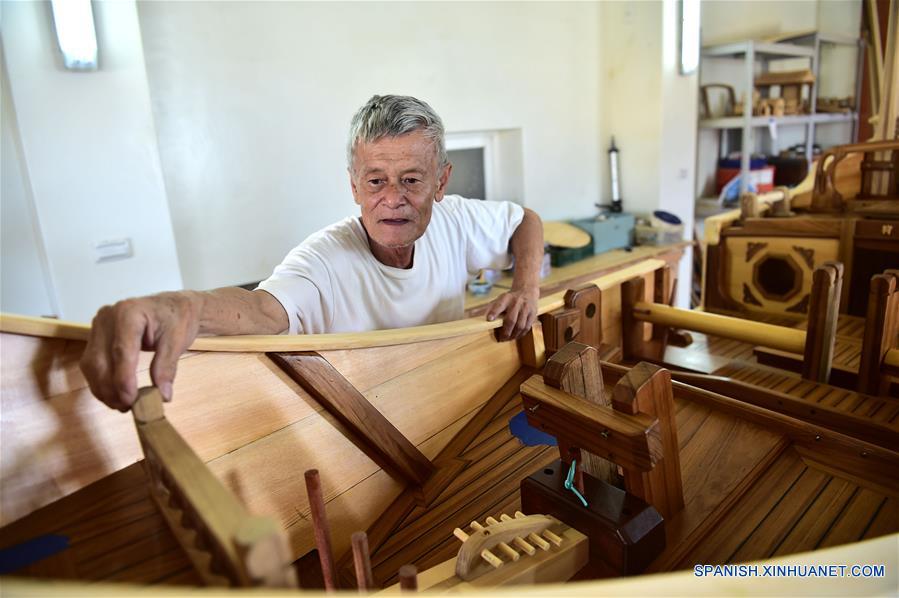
737	122
761	49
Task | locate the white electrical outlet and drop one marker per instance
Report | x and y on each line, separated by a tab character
112	249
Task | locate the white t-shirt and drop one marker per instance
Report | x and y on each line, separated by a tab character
332	282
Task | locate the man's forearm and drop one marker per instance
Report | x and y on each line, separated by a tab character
527	247
232	310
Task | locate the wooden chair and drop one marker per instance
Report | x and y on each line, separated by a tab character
227	545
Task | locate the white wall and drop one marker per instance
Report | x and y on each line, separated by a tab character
651	109
252	103
89	145
25	285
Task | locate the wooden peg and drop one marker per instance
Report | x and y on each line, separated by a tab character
148	406
519	542
320	528
540	542
362	562
510	552
408	575
546	533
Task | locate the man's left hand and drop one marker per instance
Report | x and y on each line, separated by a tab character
519	311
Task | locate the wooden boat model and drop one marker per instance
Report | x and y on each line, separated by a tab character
409	433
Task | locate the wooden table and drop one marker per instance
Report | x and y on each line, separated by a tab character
562	277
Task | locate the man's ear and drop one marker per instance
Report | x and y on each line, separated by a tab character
442	181
349	172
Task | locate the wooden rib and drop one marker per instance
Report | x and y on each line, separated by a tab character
508	550
369	429
485	554
534	538
47	327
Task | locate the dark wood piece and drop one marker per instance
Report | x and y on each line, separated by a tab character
575	369
824	309
408	578
625	533
646	389
362	562
881	332
368	428
321	528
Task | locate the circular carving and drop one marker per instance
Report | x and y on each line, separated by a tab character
777	277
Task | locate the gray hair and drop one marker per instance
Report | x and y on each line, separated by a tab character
392	116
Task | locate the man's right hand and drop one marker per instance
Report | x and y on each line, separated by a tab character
166	323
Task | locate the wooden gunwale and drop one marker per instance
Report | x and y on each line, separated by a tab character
46	327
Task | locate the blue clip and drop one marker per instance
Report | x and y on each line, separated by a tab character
569	482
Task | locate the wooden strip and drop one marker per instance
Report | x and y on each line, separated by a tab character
855	518
881	327
774	528
827	282
369	429
886	521
739	522
830	417
47	327
628	440
815	522
857	455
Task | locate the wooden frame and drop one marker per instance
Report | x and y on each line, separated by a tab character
226	545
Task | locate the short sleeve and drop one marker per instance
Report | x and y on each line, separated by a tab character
490	226
302	290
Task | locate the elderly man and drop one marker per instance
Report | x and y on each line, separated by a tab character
404	262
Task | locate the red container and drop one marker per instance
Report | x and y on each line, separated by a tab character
762	178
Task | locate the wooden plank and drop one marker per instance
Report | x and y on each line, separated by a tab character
724	538
840	420
646	389
575	370
587	299
629	440
855	519
786	227
369	429
853	454
814	523
776	525
827	282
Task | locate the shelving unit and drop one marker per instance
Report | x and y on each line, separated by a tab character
806	45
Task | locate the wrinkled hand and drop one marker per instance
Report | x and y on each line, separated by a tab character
519	310
166	323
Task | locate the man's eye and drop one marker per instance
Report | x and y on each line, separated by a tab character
375	181
411	181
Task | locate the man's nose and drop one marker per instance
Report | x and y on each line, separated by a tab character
394	195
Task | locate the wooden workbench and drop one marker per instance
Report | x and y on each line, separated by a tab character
562	277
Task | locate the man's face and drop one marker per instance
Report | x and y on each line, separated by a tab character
396	181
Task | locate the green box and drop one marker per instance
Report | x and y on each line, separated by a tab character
615	231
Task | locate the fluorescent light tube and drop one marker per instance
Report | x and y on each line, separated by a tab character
74	21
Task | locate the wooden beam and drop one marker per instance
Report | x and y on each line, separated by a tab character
824	308
632	441
646	390
748	331
587	299
368	428
820	414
